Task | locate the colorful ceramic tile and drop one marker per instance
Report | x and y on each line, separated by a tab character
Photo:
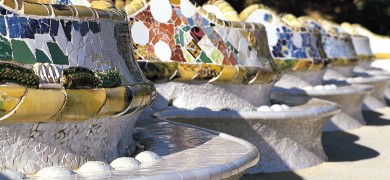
22	52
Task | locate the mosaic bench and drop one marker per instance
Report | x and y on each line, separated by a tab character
197	60
71	90
294	42
194	83
344	74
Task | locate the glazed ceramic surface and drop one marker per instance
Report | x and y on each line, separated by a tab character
182	39
292	45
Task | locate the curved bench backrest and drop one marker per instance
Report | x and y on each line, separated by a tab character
337	44
181	31
361	43
379	44
67	36
288	39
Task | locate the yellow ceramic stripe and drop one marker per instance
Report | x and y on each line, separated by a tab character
186	72
262	76
134	6
302	64
10	3
366	57
10	97
250	9
370	32
115	102
226	75
245	74
293	22
137	98
208	71
382	56
37	106
156	70
36	9
81	105
227	10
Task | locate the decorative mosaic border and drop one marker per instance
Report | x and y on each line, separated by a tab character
174	71
19	104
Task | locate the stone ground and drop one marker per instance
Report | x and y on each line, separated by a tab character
362	153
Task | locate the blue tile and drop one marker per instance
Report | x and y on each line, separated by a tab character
94	27
44	25
67	26
25	30
84	28
54	24
13	26
34	26
3	26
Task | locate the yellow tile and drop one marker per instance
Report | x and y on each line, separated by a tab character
84	12
226	75
65	11
35	9
10	3
10	97
185	72
208	71
81	105
116	101
245	74
38	106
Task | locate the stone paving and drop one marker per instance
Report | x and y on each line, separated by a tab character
358	154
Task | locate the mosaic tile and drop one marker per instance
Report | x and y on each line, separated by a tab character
41	56
287	37
22	52
5	49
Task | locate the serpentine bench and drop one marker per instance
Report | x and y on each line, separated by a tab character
71	90
299	52
202	65
338	45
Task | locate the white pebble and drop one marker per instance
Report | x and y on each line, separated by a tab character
147	157
55	171
276	107
285	107
308	88
319	87
11	174
264	109
330	86
127	163
94	166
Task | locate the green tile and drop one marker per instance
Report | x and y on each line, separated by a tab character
203	57
42	57
5	49
22	52
57	55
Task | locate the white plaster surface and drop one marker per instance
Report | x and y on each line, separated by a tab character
300	79
286	140
11	174
201	94
350	98
195	153
344	75
28	148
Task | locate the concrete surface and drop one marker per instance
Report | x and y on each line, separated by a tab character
355	154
